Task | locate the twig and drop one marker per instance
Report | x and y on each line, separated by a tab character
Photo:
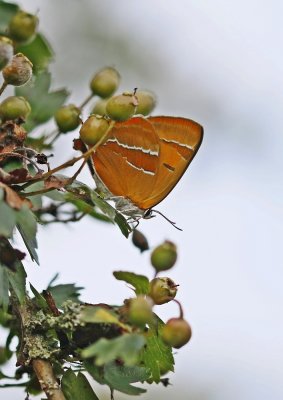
3	87
48	382
87	100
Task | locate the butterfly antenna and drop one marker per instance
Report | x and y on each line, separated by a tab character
167	219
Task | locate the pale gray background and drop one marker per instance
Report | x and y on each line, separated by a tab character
219	63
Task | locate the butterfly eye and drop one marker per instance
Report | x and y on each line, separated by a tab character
148	214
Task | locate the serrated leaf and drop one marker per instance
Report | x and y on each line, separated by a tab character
4	287
43	103
139	282
126	347
119	377
62	293
96	372
7	217
17	280
38	51
77	387
156	356
27	226
7	10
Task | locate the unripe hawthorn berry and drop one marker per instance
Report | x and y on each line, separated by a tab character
6	51
105	82
18	71
22	26
67	118
162	290
176	332
14	107
164	256
93	129
121	107
100	107
140	311
139	240
146	102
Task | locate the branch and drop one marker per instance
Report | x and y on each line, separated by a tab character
48	382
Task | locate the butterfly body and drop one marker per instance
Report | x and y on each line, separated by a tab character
141	160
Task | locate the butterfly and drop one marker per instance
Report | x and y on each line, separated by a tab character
142	159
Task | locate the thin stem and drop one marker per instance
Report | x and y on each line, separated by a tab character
22	156
48	382
180	308
86	101
3	87
69	163
58	133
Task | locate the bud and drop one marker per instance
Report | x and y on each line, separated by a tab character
22	26
140	311
176	332
164	256
162	290
93	129
146	102
6	51
18	71
14	107
100	107
121	107
105	82
67	118
139	240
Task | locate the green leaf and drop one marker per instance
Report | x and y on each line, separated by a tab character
126	347
83	192
43	103
4	287
77	387
7	217
119	377
40	300
86	208
112	213
156	356
38	51
17	280
139	282
7	10
62	293
27	226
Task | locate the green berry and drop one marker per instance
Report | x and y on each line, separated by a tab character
93	129
140	311
105	82
67	118
6	51
22	26
100	107
14	107
162	290
176	332
164	256
139	240
18	71
146	102
121	107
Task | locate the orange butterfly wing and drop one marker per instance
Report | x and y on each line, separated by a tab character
179	139
143	159
127	161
